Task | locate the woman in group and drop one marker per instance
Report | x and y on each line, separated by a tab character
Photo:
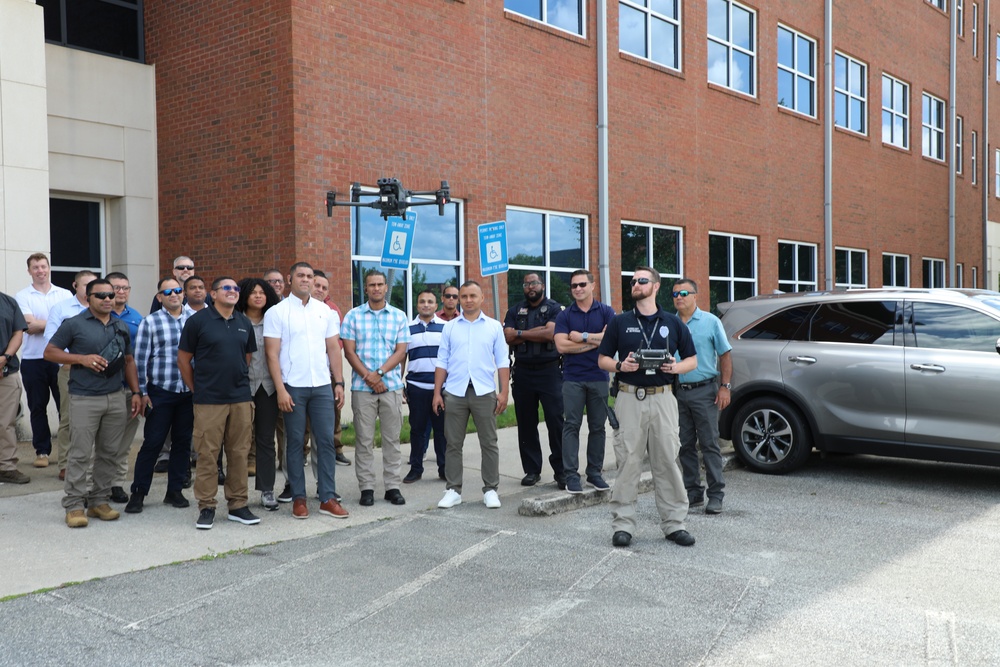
256	296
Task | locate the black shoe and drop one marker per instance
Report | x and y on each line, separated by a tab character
134	505
343	460
162	466
205	519
412	476
714	506
621	539
222	477
286	494
696	501
368	498
681	537
187	482
244	515
561	482
530	479
118	495
395	497
176	498
441	476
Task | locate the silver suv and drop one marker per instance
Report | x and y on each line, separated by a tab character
913	373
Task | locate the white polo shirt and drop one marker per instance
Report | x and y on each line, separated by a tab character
37	304
303	331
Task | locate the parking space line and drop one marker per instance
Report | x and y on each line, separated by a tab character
939	638
741	617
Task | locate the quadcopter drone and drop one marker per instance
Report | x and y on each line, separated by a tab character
391	199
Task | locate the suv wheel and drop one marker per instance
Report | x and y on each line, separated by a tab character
770	436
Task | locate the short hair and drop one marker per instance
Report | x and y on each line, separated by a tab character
273	270
87	272
298	265
427	291
167	279
688	281
179	258
656	274
446	287
37	257
582	272
319	274
218	281
94	283
470	283
374	272
194	277
247	285
116	275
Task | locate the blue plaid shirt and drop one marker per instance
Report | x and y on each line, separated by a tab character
375	334
156	351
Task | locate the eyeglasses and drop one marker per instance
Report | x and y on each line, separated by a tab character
172	290
450	296
276	281
641	281
184	267
121	288
578	285
230	288
103	295
683	292
532	283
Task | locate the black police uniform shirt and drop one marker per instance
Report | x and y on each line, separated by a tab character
663	331
524	316
11	321
85	334
219	346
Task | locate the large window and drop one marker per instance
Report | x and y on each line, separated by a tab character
651	29
436	260
850	94
112	27
933	127
76	230
796	266
895	270
732	46
553	245
564	14
851	268
732	267
651	245
796	71
895	112
959	156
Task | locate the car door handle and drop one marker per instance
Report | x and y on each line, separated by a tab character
934	368
802	360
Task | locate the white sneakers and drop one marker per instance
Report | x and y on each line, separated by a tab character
452	498
491	499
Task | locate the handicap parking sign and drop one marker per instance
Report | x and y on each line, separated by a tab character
493	248
398	243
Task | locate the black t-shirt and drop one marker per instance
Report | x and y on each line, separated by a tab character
85	334
219	346
11	321
524	316
663	331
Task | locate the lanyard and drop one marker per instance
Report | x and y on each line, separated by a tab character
648	340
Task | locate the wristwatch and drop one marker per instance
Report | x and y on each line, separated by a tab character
618	366
726	385
585	336
338	384
381	373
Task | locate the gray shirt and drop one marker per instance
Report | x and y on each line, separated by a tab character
259	375
85	334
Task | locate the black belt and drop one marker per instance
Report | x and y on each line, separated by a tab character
535	367
695	385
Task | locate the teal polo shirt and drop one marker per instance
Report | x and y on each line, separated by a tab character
710	341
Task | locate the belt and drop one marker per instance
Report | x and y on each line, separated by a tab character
695	385
533	367
642	392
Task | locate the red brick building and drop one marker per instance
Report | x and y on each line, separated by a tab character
715	132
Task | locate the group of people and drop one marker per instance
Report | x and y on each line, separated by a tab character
229	366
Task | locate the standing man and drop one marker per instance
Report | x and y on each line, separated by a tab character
700	398
40	376
301	340
529	328
421	354
132	319
375	339
321	291
99	349
578	333
472	350
274	278
219	342
449	303
183	269
12	328
647	409
167	398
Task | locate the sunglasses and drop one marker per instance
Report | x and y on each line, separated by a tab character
172	290
578	285
103	295
450	296
683	292
641	281
230	288
184	267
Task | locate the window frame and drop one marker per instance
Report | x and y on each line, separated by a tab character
975	30
649	15
895	281
731	281
960	18
547	267
851	254
996	173
64	27
848	95
102	224
730	46
973	156
893	113
959	277
799	285
996	65
959	151
938	272
936	133
798	74
940	4
543	19
665	276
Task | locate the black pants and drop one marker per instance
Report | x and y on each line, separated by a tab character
531	387
40	378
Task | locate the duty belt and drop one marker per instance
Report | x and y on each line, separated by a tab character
642	392
534	366
695	385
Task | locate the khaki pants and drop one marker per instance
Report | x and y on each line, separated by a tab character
388	409
456	417
128	437
96	424
231	423
62	439
10	399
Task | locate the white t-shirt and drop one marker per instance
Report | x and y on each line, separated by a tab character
303	331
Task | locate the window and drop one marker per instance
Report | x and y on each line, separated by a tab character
949	327
959	131
850	95
996	174
975	30
651	32
973	152
895	112
112	27
865	322
960	17
796	71
553	245
959	277
997	67
786	325
895	270
940	4
933	272
76	227
975	277
564	14
436	260
732	48
732	267
851	268
796	266
651	245
933	127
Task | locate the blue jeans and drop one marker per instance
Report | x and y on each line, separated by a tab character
422	420
40	377
174	411
319	406
577	395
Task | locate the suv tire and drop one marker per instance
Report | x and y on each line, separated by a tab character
770	436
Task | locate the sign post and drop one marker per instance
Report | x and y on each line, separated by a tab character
493	256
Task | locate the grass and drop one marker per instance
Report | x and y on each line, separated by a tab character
505	420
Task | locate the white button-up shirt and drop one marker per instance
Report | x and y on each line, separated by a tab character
303	331
472	352
37	304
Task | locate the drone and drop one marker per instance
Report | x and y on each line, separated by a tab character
392	198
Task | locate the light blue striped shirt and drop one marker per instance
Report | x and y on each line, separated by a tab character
472	352
376	333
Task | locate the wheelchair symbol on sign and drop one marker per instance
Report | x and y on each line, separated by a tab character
398	243
493	250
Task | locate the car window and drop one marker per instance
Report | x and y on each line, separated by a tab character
954	328
866	322
780	326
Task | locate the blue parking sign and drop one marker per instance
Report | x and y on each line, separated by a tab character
398	243
493	248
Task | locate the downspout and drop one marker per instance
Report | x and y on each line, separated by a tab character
603	242
952	153
989	281
828	142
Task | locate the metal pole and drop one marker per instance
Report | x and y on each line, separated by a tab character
603	225
828	143
952	154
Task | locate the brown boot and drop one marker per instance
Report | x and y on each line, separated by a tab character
103	512
76	519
